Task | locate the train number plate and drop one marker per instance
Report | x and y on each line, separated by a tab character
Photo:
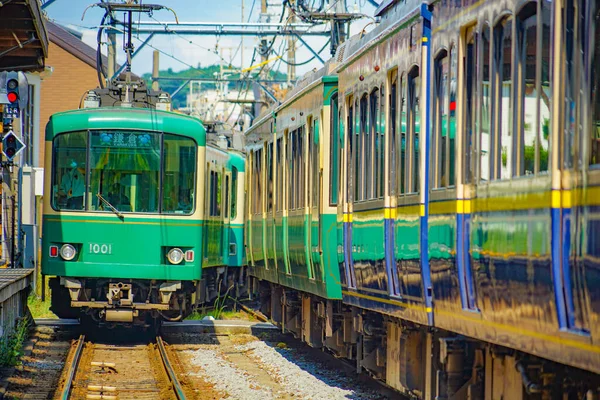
100	248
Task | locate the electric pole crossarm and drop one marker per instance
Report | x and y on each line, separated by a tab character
141	46
318	57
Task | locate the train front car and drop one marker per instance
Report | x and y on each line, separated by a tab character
123	218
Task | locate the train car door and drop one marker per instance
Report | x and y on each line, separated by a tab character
350	277
315	203
575	202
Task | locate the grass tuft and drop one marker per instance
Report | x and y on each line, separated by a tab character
39	308
11	343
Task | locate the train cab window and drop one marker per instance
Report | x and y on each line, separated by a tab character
393	129
503	138
125	171
179	177
440	121
334	165
485	133
594	93
413	92
69	171
234	185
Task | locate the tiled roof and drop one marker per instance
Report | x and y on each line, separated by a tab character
71	43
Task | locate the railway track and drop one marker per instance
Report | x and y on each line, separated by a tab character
115	371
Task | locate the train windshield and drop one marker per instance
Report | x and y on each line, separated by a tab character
124	171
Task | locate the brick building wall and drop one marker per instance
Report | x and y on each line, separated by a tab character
63	90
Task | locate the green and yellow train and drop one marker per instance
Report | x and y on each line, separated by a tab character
142	218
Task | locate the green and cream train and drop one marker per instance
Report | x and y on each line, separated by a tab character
143	219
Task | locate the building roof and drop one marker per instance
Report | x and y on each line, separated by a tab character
23	38
68	41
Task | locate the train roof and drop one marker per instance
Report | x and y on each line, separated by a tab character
235	158
126	118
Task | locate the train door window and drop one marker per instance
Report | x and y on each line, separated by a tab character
413	89
226	198
393	129
315	185
571	79
279	175
402	143
334	167
381	142
470	82
234	186
178	176
485	134
302	155
69	163
269	175
452	117
440	122
125	170
259	178
526	123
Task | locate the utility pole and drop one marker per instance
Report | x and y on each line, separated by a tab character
155	69
291	57
242	40
112	51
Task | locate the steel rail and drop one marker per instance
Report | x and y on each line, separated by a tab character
169	368
73	368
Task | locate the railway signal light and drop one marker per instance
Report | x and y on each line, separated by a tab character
13	89
11	145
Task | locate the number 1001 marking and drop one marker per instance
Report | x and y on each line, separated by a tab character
96	248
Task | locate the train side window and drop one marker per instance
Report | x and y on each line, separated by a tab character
258	174
526	90
402	142
543	85
226	208
381	142
334	167
485	133
357	151
364	165
350	152
413	88
594	93
234	186
440	122
503	138
375	143
452	117
315	183
470	115
393	129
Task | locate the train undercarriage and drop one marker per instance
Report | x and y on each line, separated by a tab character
419	361
140	302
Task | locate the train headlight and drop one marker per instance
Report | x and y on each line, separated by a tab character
68	252
175	256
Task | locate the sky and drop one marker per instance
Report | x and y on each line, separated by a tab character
180	52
